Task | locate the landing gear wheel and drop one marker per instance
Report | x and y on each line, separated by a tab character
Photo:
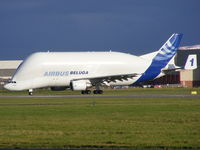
86	92
98	92
82	92
95	91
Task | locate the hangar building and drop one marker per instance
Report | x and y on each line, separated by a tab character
7	69
189	78
185	78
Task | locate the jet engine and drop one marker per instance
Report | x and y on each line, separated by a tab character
80	85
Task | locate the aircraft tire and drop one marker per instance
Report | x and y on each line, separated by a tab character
86	92
98	92
95	92
83	92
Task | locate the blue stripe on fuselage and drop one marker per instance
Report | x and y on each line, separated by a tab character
152	72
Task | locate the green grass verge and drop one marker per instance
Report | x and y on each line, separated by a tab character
100	122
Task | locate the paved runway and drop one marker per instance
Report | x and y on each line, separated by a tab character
106	96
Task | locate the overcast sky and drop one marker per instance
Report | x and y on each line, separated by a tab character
131	26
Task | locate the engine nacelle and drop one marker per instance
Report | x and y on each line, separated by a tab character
80	85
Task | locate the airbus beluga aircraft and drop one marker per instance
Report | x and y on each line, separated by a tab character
83	70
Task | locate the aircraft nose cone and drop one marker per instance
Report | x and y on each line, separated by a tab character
9	86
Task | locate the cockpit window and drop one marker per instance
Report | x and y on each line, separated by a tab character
10	81
19	66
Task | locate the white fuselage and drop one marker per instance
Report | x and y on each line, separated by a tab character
49	69
82	70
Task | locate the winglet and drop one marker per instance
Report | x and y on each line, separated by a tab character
191	62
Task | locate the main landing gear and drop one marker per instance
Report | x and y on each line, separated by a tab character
98	92
89	92
86	92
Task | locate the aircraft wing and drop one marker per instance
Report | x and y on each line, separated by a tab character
105	80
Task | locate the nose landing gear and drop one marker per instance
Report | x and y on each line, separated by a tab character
30	92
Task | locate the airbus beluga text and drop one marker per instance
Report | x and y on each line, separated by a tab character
83	70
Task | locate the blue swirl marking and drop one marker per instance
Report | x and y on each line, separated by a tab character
164	55
56	73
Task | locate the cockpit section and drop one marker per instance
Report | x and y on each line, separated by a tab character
11	81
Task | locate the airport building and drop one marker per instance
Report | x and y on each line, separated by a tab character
189	78
185	78
7	69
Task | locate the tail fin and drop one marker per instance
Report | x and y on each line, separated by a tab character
162	58
168	50
191	62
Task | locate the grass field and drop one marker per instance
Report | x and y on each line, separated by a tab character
130	91
163	123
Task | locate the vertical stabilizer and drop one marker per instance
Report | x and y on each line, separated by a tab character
162	58
168	50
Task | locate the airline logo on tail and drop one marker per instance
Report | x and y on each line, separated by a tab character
162	58
191	62
168	50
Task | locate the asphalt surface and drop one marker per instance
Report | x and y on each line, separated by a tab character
105	96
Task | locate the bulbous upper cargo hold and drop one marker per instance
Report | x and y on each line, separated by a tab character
61	64
47	69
